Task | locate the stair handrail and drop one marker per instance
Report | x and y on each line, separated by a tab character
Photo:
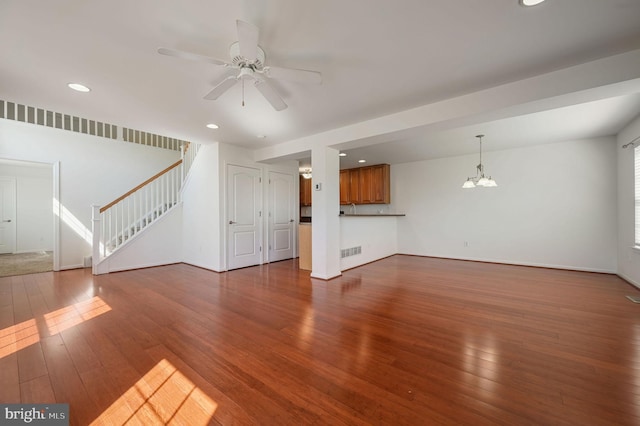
145	183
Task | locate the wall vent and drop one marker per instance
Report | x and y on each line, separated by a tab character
57	120
350	251
151	139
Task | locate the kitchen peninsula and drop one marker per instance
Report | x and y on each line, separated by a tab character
368	220
366	237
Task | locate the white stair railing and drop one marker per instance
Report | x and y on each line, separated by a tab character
115	223
189	152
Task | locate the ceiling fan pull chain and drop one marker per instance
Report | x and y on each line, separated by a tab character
243	92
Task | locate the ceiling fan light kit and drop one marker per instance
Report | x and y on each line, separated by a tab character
480	179
528	3
249	59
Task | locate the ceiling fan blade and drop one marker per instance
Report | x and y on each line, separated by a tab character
270	95
190	56
291	74
248	40
222	87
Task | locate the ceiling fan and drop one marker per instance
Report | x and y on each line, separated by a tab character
249	59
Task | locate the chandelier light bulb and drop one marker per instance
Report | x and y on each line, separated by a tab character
468	184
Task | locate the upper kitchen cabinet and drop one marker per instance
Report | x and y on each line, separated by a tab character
350	186
305	191
366	185
345	182
381	184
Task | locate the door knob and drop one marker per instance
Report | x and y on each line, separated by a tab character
231	222
8	220
291	220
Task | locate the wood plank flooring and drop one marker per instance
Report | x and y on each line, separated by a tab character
405	340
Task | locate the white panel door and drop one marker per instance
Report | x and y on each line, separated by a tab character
7	215
243	214
281	216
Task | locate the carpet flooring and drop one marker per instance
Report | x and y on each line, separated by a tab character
25	263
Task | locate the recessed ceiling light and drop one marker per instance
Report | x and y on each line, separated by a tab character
343	154
530	2
362	161
212	126
79	87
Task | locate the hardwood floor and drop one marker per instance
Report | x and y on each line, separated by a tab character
405	340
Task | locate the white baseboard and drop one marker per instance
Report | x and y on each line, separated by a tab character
520	263
66	267
327	278
142	266
208	268
629	280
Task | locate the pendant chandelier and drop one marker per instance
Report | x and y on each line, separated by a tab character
479	179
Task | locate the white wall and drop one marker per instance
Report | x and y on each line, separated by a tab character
555	206
378	237
93	170
201	211
34	213
628	257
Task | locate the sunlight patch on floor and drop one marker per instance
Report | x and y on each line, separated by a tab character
69	316
17	337
163	396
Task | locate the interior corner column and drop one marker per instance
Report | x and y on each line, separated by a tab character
325	210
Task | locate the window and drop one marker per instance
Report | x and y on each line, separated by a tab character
637	189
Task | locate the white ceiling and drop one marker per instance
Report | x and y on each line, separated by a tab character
377	57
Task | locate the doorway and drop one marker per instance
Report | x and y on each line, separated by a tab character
28	221
7	215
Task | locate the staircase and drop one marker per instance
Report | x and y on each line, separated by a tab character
120	221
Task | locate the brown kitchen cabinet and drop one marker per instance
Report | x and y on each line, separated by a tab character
380	184
350	186
305	191
366	185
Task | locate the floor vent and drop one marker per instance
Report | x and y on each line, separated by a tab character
58	120
634	299
350	251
